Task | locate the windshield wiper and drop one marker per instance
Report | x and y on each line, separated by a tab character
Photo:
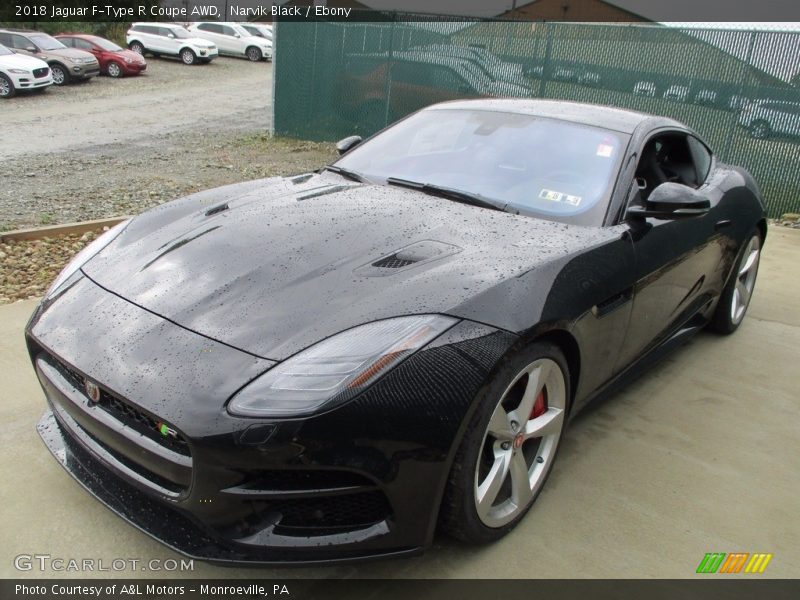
450	193
352	175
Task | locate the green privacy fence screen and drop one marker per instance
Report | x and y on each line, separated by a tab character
739	89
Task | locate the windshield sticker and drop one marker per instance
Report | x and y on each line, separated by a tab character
573	200
551	195
605	150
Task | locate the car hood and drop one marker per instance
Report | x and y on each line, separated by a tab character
21	61
272	266
200	42
69	53
129	54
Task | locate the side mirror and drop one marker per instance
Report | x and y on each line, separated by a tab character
348	143
171	36
31	49
671	200
236	35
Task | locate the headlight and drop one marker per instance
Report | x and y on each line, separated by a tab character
336	369
82	257
19	71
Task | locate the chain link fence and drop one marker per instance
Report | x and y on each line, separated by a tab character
740	89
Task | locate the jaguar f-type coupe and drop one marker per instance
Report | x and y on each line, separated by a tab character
333	366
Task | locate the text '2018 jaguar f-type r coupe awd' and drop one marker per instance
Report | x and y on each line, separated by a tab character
326	367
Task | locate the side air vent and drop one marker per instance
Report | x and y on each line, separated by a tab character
393	262
411	256
217	209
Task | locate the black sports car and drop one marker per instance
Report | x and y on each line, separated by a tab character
325	367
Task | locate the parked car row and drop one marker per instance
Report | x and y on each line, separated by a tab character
34	60
201	43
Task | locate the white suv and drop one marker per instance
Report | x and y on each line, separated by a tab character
234	40
20	72
764	118
172	40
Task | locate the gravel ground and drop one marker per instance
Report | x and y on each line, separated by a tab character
115	147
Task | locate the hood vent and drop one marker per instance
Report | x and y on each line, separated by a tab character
217	209
414	255
393	261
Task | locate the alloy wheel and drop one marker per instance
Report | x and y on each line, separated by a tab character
59	77
520	443
745	280
5	87
254	54
187	56
114	69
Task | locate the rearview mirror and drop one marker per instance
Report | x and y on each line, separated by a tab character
348	143
671	200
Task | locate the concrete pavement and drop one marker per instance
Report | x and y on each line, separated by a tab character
702	454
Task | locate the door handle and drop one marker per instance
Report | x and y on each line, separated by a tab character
722	224
613	303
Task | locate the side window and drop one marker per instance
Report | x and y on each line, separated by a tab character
227	30
5	39
83	45
21	43
702	158
68	42
666	157
204	27
214	28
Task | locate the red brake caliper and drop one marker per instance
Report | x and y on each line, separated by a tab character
539	406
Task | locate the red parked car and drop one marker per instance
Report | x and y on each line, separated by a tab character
114	60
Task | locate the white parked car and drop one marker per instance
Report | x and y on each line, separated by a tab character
20	72
258	29
645	88
678	93
706	97
233	40
764	118
169	39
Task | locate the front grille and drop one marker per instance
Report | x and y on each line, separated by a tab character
41	72
127	414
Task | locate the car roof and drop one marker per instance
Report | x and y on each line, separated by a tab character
607	117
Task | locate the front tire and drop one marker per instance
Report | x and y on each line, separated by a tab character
188	57
736	296
509	447
114	70
60	74
137	47
254	54
7	89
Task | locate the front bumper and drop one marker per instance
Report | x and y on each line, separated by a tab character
30	82
363	480
84	71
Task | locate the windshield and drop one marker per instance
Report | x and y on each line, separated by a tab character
45	42
241	30
4	51
106	44
542	167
